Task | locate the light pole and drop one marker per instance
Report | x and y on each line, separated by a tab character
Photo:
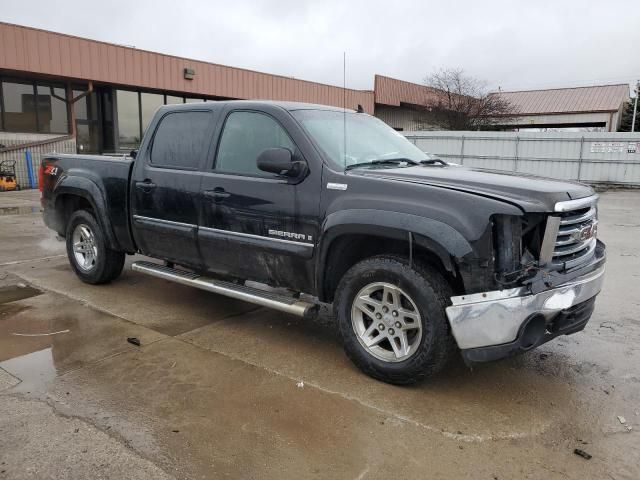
635	107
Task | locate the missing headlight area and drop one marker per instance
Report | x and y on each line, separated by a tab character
517	243
557	242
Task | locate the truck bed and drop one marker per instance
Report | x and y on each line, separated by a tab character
107	176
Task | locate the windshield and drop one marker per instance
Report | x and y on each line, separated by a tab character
370	142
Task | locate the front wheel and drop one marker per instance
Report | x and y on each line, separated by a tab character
89	254
392	319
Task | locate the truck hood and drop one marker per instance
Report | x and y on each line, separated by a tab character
530	192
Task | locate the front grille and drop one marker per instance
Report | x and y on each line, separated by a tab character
576	239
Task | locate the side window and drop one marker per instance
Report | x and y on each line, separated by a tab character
181	140
245	136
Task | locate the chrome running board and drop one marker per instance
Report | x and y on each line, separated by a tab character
256	296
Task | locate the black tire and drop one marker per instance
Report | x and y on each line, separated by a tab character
108	263
429	291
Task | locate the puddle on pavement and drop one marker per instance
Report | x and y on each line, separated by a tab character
49	335
25	351
12	293
18	210
36	370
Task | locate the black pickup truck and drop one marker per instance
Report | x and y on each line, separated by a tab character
420	258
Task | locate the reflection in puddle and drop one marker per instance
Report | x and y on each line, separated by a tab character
18	210
36	370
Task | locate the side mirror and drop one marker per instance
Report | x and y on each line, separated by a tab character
279	161
133	153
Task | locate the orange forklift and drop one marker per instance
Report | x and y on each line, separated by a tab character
8	176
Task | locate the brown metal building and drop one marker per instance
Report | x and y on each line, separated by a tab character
64	93
579	107
95	90
401	104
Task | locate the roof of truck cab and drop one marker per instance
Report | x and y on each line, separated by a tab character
290	106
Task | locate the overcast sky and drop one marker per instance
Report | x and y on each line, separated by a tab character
512	44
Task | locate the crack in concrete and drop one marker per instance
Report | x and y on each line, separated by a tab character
19	262
53	403
8	382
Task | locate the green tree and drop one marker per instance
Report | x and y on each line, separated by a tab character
627	117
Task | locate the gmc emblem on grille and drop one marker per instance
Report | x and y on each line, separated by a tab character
585	233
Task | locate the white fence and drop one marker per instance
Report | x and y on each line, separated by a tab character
591	157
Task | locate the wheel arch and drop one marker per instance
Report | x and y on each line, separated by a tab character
75	193
351	236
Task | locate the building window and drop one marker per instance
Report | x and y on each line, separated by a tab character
19	107
135	112
128	119
52	110
88	125
27	108
108	127
150	102
171	100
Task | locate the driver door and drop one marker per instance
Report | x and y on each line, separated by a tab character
257	225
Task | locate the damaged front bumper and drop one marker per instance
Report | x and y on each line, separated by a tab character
492	325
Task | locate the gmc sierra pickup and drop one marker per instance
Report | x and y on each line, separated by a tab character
420	258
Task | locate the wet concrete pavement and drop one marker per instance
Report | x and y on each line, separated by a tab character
213	391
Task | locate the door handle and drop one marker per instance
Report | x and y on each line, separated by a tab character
146	186
216	194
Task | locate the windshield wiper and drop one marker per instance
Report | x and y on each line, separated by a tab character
433	161
386	161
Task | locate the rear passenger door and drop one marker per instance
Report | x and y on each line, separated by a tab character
257	225
166	184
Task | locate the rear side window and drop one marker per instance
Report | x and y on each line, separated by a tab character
245	136
181	140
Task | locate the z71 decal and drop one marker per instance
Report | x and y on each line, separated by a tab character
51	170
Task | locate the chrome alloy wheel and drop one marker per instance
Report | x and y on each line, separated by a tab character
85	249
386	321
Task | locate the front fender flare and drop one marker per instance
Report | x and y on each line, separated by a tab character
438	237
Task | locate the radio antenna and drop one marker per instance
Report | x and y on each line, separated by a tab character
344	104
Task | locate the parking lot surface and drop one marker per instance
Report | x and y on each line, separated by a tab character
222	389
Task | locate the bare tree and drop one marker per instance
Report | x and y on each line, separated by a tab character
458	101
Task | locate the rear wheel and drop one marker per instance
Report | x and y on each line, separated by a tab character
392	319
90	257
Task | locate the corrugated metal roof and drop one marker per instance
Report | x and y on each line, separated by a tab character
391	91
602	98
31	50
